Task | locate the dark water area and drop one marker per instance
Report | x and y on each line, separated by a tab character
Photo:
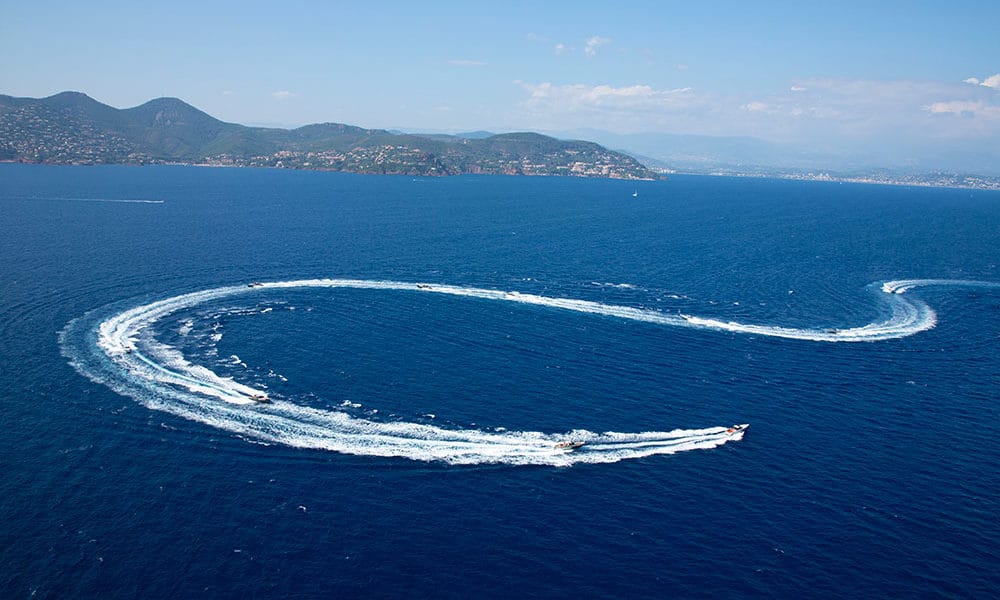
869	469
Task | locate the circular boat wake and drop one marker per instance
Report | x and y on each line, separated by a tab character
121	351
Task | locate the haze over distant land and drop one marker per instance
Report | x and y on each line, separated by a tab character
900	87
748	155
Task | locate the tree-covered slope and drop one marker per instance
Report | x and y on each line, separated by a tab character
72	128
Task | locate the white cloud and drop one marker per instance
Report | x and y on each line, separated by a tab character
955	107
682	67
466	63
561	48
965	108
627	108
896	110
594	43
993	81
282	95
855	111
583	97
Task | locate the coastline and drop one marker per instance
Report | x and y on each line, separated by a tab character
940	180
936	180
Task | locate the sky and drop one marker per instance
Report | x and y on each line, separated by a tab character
841	73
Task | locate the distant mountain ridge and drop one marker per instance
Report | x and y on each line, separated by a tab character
749	156
73	128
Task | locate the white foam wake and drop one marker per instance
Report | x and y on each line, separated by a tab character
904	285
112	200
122	352
906	316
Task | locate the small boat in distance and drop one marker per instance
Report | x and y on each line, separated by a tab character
254	284
635	194
568	445
262	398
736	428
423	286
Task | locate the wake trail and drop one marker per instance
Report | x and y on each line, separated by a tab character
122	352
111	200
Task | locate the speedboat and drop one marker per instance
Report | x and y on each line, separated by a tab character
254	284
262	398
423	286
568	445
736	428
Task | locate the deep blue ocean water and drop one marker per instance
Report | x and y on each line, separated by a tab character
870	468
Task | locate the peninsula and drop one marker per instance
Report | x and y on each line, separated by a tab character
72	128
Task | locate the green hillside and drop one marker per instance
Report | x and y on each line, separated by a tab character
72	128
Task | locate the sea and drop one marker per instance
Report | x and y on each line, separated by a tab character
241	383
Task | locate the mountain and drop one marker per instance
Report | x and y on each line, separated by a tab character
475	135
72	128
